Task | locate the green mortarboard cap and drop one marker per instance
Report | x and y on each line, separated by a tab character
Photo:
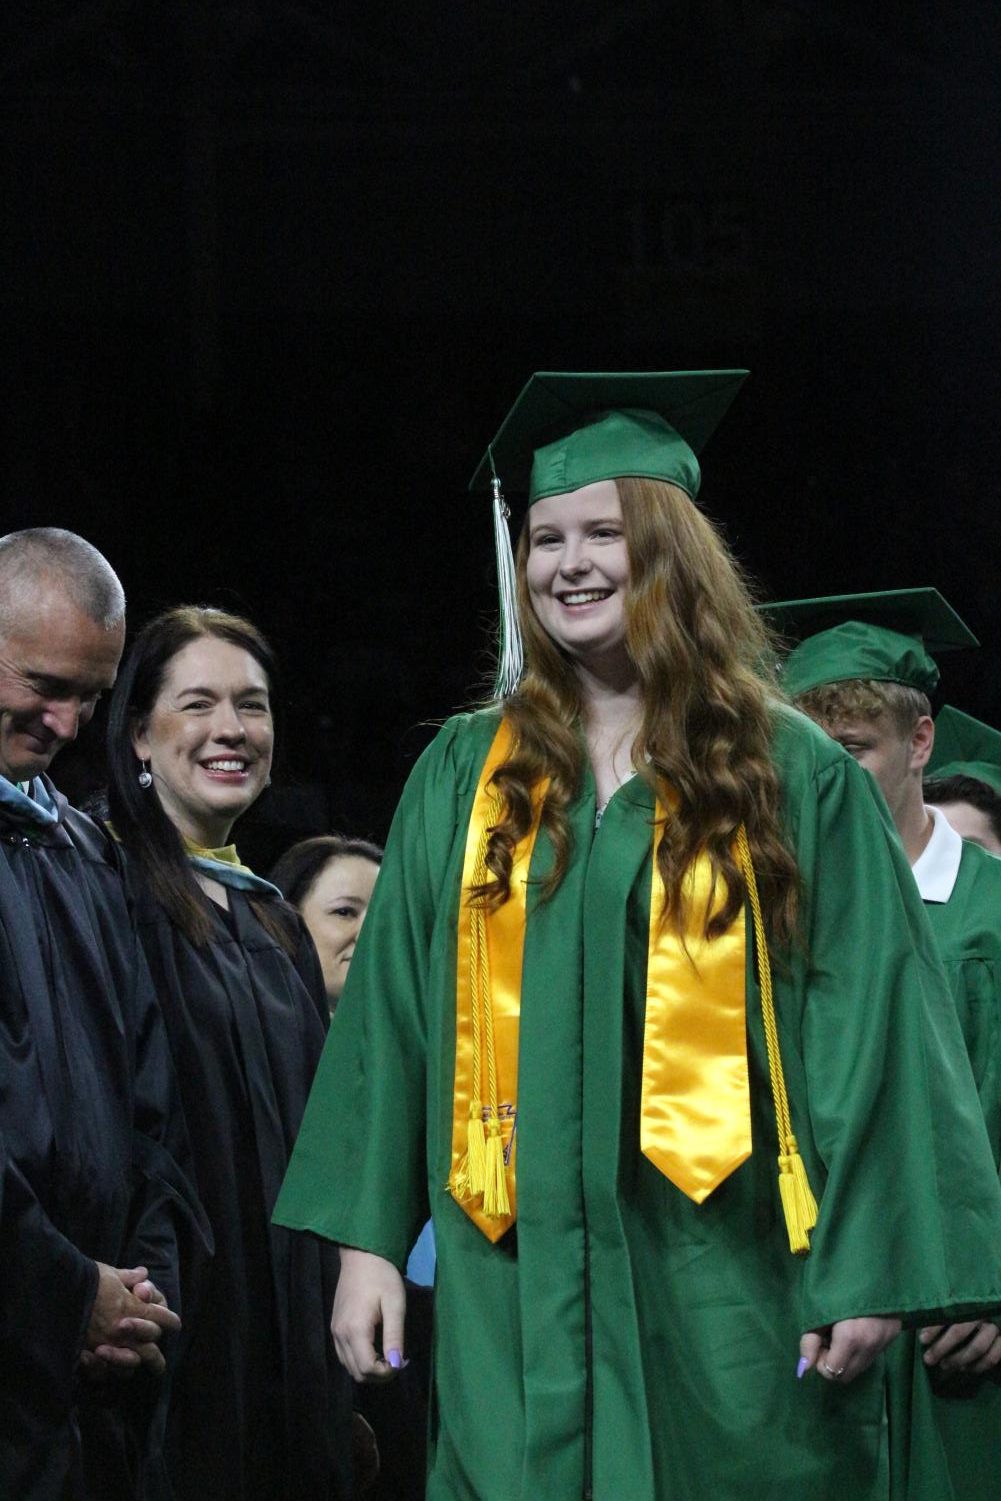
567	430
965	747
887	637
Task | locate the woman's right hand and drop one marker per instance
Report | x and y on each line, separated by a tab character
370	1294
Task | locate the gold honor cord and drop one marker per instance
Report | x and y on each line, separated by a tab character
491	946
695	1119
798	1203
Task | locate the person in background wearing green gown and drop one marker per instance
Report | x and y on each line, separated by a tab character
864	672
971	806
963	777
689	1105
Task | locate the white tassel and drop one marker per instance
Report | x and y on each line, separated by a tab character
510	654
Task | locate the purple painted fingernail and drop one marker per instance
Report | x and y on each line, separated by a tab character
802	1367
395	1359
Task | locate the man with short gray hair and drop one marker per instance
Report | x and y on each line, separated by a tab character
62	630
94	1197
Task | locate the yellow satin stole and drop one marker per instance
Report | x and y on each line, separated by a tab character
491	946
695	1112
695	1117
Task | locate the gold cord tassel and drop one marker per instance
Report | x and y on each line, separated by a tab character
476	1150
495	1195
798	1203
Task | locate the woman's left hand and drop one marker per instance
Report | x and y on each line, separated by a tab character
847	1348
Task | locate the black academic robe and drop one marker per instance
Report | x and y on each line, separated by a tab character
259	1406
93	1156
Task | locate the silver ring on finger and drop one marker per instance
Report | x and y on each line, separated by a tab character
831	1371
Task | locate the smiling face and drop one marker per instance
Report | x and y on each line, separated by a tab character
333	910
209	738
577	571
55	662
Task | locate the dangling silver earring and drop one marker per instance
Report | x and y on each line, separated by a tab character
145	779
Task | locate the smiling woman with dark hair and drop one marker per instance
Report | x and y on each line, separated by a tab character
258	1408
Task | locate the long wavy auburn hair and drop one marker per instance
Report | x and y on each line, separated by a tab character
702	654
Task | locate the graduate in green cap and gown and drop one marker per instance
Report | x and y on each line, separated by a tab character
690	1109
963	777
864	671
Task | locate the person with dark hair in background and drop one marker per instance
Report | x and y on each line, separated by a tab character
689	1103
972	806
963	777
330	879
95	1200
258	1406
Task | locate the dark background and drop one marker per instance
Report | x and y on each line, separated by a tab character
273	273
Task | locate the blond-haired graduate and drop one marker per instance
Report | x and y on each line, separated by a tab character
864	669
689	1103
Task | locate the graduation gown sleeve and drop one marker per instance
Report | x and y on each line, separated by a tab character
370	1191
967	932
168	1224
47	1291
90	1127
895	1132
947	1428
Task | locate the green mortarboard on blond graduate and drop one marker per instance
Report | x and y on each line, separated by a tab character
568	429
889	636
965	747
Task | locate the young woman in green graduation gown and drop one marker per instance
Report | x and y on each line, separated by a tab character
625	1012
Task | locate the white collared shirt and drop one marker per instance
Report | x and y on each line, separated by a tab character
937	867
